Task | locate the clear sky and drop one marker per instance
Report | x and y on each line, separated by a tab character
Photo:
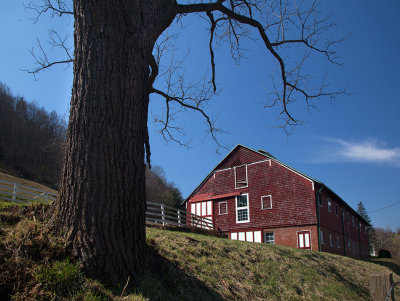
353	145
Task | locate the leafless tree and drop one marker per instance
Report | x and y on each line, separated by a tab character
101	204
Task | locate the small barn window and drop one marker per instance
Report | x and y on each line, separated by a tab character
223	208
336	210
266	202
321	204
240	176
242	208
338	242
330	240
322	237
329	205
269	238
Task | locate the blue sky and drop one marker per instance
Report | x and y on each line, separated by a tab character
353	145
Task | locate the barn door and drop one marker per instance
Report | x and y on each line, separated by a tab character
304	240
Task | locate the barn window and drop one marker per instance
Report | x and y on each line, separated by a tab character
266	202
330	240
242	208
240	176
322	237
329	205
223	208
336	210
338	242
269	238
321	204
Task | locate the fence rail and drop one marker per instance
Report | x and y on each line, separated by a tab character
156	213
14	192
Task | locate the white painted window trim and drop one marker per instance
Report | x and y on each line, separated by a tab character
322	237
219	208
247	207
338	241
329	205
273	236
265	196
330	240
247	179
310	240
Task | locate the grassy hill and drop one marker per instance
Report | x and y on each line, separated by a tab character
10	178
35	265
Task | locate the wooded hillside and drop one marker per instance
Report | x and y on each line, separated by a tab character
31	139
32	147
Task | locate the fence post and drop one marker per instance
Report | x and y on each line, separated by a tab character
162	215
380	287
14	196
179	217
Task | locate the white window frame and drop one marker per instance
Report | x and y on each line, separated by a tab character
330	240
338	241
321	237
329	205
247	207
247	179
219	208
262	203
273	236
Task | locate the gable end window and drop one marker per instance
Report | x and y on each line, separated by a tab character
223	208
266	202
321	204
329	205
240	176
242	208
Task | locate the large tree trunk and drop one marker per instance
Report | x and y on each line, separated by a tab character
101	204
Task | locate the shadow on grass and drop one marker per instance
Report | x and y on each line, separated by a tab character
164	281
389	263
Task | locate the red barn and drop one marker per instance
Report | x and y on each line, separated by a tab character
251	196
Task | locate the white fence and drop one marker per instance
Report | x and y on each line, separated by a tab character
156	212
14	192
165	215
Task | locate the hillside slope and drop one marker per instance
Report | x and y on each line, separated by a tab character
181	266
10	178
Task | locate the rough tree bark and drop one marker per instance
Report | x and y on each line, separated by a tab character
101	205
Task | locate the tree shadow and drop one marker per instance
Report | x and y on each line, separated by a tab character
389	263
163	280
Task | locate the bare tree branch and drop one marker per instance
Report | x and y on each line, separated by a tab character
54	7
212	29
286	20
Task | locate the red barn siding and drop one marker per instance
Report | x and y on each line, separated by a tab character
342	226
293	204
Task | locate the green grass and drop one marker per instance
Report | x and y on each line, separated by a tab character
180	266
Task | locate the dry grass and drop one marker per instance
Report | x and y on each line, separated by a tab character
14	179
180	266
248	271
